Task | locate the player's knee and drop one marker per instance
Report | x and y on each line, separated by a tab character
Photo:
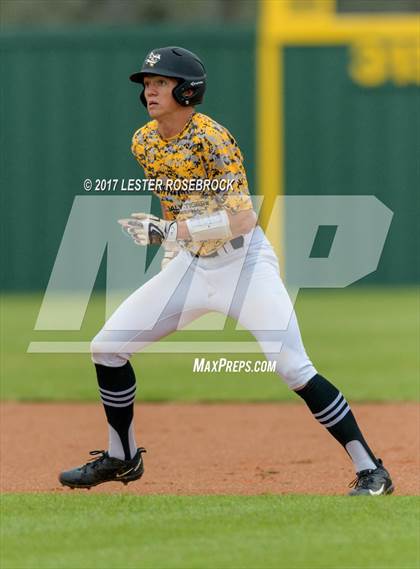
296	373
106	352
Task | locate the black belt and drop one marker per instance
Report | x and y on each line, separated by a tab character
236	243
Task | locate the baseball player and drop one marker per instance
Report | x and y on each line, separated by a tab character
216	259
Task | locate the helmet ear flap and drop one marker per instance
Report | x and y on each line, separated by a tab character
194	99
177	94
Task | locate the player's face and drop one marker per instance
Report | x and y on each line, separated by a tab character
158	93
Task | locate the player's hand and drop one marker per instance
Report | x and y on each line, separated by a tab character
148	229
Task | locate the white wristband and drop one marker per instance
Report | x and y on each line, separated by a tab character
213	226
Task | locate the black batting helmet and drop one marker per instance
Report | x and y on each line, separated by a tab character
180	64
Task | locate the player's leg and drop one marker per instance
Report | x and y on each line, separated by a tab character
164	304
263	306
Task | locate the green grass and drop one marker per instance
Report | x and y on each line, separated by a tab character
363	339
88	531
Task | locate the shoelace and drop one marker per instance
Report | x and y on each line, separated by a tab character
93	462
362	479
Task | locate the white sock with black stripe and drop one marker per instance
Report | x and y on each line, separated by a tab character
117	389
330	409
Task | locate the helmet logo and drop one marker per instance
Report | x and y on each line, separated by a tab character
194	83
152	58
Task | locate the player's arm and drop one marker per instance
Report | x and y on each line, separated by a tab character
221	224
147	229
235	217
223	162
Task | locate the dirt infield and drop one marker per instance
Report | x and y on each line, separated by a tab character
207	448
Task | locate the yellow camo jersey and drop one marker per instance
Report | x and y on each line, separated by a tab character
196	172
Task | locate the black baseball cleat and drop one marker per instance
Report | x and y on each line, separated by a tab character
375	482
104	469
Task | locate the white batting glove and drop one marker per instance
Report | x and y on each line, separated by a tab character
148	229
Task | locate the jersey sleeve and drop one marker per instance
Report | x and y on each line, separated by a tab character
223	161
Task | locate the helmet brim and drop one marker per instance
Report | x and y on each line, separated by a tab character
139	76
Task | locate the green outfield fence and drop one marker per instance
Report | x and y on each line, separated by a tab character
342	138
68	113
